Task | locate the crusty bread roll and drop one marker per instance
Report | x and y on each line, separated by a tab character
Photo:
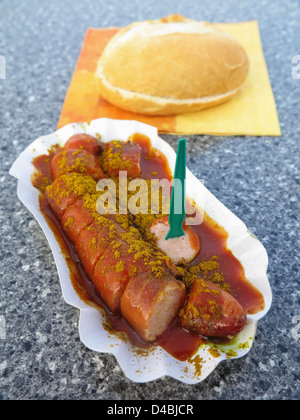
170	66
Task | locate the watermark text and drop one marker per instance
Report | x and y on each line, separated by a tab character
140	196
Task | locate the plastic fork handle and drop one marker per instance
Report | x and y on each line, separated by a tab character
177	204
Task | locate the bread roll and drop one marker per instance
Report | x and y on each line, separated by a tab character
170	66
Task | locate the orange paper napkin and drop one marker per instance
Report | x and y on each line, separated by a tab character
251	112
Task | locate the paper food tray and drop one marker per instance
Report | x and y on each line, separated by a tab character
148	365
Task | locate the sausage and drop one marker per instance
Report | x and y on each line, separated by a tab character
149	304
121	156
76	218
84	141
90	245
211	311
125	270
182	249
112	272
79	160
59	202
65	191
130	275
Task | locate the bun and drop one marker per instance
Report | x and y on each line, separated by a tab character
170	66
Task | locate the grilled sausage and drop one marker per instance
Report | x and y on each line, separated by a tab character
121	156
119	262
182	249
80	161
149	304
84	141
211	311
66	190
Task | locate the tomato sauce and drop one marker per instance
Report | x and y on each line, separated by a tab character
175	340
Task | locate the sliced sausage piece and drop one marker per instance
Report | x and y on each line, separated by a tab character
122	156
84	141
65	191
79	160
111	274
182	249
114	270
59	197
149	304
76	218
211	311
91	243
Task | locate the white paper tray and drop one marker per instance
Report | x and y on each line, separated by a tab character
148	365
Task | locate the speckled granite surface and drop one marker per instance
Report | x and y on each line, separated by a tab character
41	356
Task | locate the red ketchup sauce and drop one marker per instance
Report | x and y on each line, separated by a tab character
175	340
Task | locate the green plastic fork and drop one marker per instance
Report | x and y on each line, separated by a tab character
177	205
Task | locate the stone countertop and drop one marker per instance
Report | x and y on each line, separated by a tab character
258	178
